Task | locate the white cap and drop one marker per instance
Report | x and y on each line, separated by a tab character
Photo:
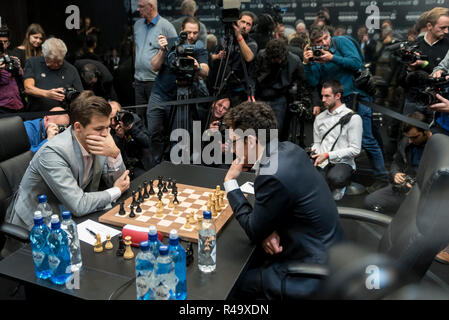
152	230
173	234
54	218
37	215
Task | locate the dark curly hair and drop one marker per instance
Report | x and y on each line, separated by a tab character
276	48
251	115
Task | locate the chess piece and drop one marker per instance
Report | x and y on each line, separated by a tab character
221	201
160	209
159	183
122	209
169	185
217	191
141	199
134	203
138	209
199	222
170	203
151	192
98	247
174	187
209	203
160	194
145	190
164	189
131	213
175	210
175	200
108	245
129	254
187	225
217	206
121	247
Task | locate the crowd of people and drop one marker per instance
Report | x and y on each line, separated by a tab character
255	73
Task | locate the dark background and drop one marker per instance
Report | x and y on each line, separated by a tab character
112	16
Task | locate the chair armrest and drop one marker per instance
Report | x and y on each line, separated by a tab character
300	269
364	215
16	232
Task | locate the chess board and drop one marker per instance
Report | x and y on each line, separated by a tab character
192	200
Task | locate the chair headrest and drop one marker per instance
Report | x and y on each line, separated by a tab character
13	138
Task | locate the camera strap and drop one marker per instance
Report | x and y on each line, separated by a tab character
342	122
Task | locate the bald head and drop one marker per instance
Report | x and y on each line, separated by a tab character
116	107
60	119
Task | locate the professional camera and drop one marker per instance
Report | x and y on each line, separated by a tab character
403	188
363	80
124	116
408	52
434	86
230	11
61	128
11	64
317	51
275	11
301	108
70	94
183	67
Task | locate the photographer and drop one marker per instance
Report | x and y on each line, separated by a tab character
165	86
41	130
10	77
96	77
403	168
132	138
277	71
47	77
244	51
338	58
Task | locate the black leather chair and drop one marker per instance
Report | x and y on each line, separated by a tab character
15	156
420	228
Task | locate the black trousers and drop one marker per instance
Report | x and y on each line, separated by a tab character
384	200
142	90
337	175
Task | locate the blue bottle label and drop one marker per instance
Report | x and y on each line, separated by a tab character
38	257
54	262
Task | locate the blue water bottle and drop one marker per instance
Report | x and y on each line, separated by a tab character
59	253
153	241
163	280
45	209
144	268
178	255
39	247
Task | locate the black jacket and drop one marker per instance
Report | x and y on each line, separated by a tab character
296	202
403	160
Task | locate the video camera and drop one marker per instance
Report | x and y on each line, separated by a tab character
408	52
11	64
275	11
230	10
183	67
433	87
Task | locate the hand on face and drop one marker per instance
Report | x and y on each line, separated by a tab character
102	146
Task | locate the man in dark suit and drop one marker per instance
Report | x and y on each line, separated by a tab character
294	217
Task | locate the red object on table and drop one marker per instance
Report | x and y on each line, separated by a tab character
138	234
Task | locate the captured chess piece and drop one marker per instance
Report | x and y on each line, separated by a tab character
108	245
121	247
131	213
129	254
98	247
151	192
122	209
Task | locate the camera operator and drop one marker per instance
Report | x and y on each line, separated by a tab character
338	58
244	50
188	9
96	77
132	138
48	77
10	77
165	86
433	45
277	71
41	130
403	168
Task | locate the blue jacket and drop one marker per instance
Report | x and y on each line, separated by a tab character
36	133
346	61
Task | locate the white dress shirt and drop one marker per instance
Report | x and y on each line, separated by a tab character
349	137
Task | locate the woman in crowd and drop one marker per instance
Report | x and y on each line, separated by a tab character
32	44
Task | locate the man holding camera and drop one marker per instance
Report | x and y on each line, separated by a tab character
44	129
166	61
403	168
338	58
10	74
48	77
132	138
95	76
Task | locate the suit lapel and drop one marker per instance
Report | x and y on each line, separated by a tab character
96	174
78	170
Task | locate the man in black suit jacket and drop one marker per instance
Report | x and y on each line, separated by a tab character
294	217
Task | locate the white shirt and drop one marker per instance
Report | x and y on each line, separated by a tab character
113	165
349	141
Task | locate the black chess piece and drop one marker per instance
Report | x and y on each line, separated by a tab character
138	209
159	184
121	247
141	199
151	192
175	200
160	194
145	190
131	213
169	185
164	189
134	203
122	209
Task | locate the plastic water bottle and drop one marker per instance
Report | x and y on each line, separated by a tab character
163	279
153	241
59	253
144	268
178	255
38	237
69	226
207	249
45	208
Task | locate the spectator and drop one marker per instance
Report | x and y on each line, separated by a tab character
336	144
44	129
263	31
46	77
339	31
340	62
300	28
97	78
88	51
10	98
114	61
31	45
146	33
188	9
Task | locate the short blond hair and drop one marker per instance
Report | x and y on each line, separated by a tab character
54	48
434	15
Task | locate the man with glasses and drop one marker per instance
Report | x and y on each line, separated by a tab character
404	166
294	217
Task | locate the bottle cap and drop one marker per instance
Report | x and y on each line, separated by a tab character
38	219
163	250
66	215
173	234
207	215
173	238
55	224
144	246
152	230
37	215
42	198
